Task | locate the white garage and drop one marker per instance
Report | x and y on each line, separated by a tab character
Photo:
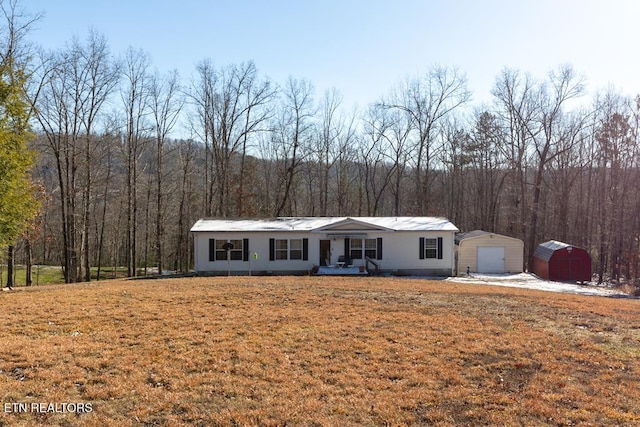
484	252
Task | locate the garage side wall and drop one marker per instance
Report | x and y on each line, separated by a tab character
513	250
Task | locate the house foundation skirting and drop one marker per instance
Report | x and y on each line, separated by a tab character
348	271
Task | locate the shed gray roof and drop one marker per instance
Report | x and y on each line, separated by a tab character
413	223
545	250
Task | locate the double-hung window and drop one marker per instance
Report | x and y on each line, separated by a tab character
431	248
235	254
288	249
235	249
282	249
361	248
371	248
355	251
295	249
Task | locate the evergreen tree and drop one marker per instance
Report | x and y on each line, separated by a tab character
18	203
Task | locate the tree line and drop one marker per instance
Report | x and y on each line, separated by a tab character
128	158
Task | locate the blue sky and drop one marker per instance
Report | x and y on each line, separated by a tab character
364	48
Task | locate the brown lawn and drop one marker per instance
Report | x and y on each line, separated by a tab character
316	351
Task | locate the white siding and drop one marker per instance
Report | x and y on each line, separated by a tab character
467	252
400	252
258	244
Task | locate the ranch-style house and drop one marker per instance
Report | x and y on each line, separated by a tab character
300	245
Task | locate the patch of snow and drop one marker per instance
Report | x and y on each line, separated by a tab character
530	281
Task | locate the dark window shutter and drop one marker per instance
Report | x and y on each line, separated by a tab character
379	248
305	249
272	249
439	247
346	248
421	254
245	249
212	249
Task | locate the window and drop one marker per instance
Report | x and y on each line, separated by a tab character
430	248
370	248
295	249
288	249
235	254
282	251
356	249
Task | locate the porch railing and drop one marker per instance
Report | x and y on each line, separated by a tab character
375	264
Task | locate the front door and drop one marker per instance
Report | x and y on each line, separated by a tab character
325	252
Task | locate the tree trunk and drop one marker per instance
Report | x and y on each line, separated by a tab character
27	247
104	218
146	226
535	212
87	213
159	218
10	265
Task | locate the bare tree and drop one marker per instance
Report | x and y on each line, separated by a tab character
564	172
427	101
15	48
232	106
454	161
516	109
258	97
291	134
107	158
325	150
187	152
539	130
202	96
102	75
375	165
135	95
555	134
617	156
399	152
166	105
75	83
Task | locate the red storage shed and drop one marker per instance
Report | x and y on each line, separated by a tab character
561	262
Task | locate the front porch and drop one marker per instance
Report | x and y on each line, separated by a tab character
341	271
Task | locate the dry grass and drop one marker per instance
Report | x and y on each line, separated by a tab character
318	351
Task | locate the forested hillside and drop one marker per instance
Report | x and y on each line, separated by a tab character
130	156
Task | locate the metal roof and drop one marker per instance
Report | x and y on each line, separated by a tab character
469	234
478	233
545	250
407	223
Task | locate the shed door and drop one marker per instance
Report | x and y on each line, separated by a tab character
569	270
490	260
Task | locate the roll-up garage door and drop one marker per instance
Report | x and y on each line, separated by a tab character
490	260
